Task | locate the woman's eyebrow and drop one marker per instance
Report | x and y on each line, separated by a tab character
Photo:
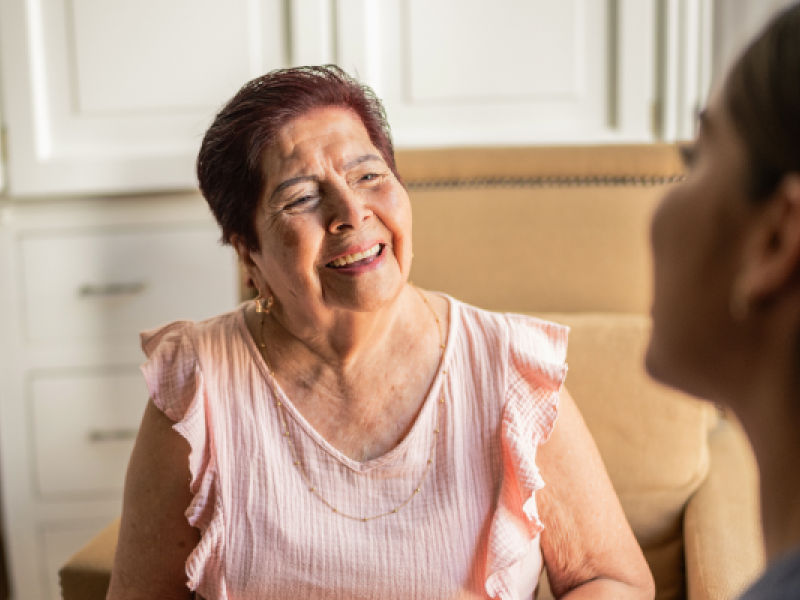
362	159
290	182
303	178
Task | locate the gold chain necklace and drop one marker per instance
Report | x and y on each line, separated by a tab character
311	487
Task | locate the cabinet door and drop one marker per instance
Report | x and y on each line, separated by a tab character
113	284
471	72
84	425
111	95
506	71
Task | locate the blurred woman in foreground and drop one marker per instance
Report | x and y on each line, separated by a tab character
726	242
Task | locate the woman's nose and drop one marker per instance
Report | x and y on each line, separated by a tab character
348	209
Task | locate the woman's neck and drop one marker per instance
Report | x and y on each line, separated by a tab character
362	395
341	338
771	418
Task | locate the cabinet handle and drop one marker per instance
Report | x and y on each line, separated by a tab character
112	435
99	290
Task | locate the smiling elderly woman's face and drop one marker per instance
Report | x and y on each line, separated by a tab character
334	223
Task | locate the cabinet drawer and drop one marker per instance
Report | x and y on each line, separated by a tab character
84	428
106	287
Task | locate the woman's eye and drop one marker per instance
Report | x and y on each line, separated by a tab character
369	177
300	202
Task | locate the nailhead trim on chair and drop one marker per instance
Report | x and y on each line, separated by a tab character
542	182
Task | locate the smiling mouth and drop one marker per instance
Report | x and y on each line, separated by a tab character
357	258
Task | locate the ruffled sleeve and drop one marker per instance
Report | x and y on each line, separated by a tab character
536	371
175	381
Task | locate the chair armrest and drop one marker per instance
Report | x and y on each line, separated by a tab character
722	524
87	574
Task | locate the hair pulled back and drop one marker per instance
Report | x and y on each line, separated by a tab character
230	166
762	96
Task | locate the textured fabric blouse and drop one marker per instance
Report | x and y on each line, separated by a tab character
472	530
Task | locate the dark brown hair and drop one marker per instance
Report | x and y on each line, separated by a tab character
762	96
230	163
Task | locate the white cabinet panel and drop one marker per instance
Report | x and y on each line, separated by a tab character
71	394
452	53
115	284
456	72
187	68
111	96
84	429
686	55
311	32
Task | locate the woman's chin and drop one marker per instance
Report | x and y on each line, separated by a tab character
654	365
674	373
659	366
368	294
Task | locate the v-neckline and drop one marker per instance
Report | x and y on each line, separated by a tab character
417	428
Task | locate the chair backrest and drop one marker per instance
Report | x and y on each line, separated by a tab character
537	229
565	230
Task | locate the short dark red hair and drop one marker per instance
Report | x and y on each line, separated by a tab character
230	163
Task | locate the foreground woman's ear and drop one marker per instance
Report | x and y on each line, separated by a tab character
772	253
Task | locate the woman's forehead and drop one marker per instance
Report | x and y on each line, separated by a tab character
322	133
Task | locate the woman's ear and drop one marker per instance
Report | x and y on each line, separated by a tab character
243	252
772	254
252	278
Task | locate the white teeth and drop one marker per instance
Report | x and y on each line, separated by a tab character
355	257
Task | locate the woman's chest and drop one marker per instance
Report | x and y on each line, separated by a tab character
370	413
413	523
404	529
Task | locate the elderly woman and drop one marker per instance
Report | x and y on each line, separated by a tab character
727	287
347	435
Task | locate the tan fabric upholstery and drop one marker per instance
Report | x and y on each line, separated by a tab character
723	538
566	249
87	574
444	164
653	440
491	227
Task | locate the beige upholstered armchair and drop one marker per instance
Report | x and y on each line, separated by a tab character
562	233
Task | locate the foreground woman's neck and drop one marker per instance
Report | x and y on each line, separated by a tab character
772	422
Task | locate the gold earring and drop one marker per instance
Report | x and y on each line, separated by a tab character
262	307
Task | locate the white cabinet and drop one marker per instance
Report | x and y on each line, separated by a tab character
78	280
456	72
471	72
111	96
114	96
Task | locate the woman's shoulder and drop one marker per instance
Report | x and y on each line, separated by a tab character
177	354
513	327
188	333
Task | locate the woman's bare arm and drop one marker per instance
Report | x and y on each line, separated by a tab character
588	547
155	539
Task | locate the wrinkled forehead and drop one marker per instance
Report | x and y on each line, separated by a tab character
328	136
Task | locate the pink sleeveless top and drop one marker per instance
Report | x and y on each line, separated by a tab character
472	531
